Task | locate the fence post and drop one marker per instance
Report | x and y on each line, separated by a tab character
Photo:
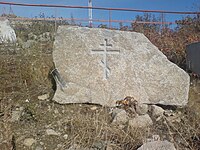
110	19
55	19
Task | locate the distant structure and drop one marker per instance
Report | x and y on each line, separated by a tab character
90	12
11	11
193	58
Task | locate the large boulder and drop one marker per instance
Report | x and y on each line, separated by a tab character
7	33
101	66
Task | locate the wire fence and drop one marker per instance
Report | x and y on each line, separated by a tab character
111	22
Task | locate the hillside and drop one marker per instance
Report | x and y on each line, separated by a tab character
29	119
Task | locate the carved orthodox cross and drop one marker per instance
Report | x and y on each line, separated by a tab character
105	51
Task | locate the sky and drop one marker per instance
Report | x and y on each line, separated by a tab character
168	5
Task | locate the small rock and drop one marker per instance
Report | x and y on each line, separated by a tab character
140	121
65	136
120	116
141	109
52	132
29	142
93	108
16	114
43	97
157	145
59	146
154	138
156	111
99	145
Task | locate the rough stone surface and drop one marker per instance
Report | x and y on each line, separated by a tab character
101	66
141	109
7	33
140	121
157	111
120	117
157	145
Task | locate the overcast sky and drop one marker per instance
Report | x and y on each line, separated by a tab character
171	5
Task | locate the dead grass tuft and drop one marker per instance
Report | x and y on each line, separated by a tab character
87	130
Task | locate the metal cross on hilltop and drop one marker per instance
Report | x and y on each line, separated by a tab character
105	52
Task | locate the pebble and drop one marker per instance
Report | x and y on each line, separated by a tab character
29	142
52	132
43	97
65	136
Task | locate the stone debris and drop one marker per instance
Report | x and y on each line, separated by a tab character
108	65
120	116
157	145
29	142
142	121
141	109
7	33
43	97
94	108
153	138
16	114
65	136
156	111
52	132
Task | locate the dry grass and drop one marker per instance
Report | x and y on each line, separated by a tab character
183	129
26	76
22	77
90	128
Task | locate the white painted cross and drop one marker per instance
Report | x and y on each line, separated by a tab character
104	52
